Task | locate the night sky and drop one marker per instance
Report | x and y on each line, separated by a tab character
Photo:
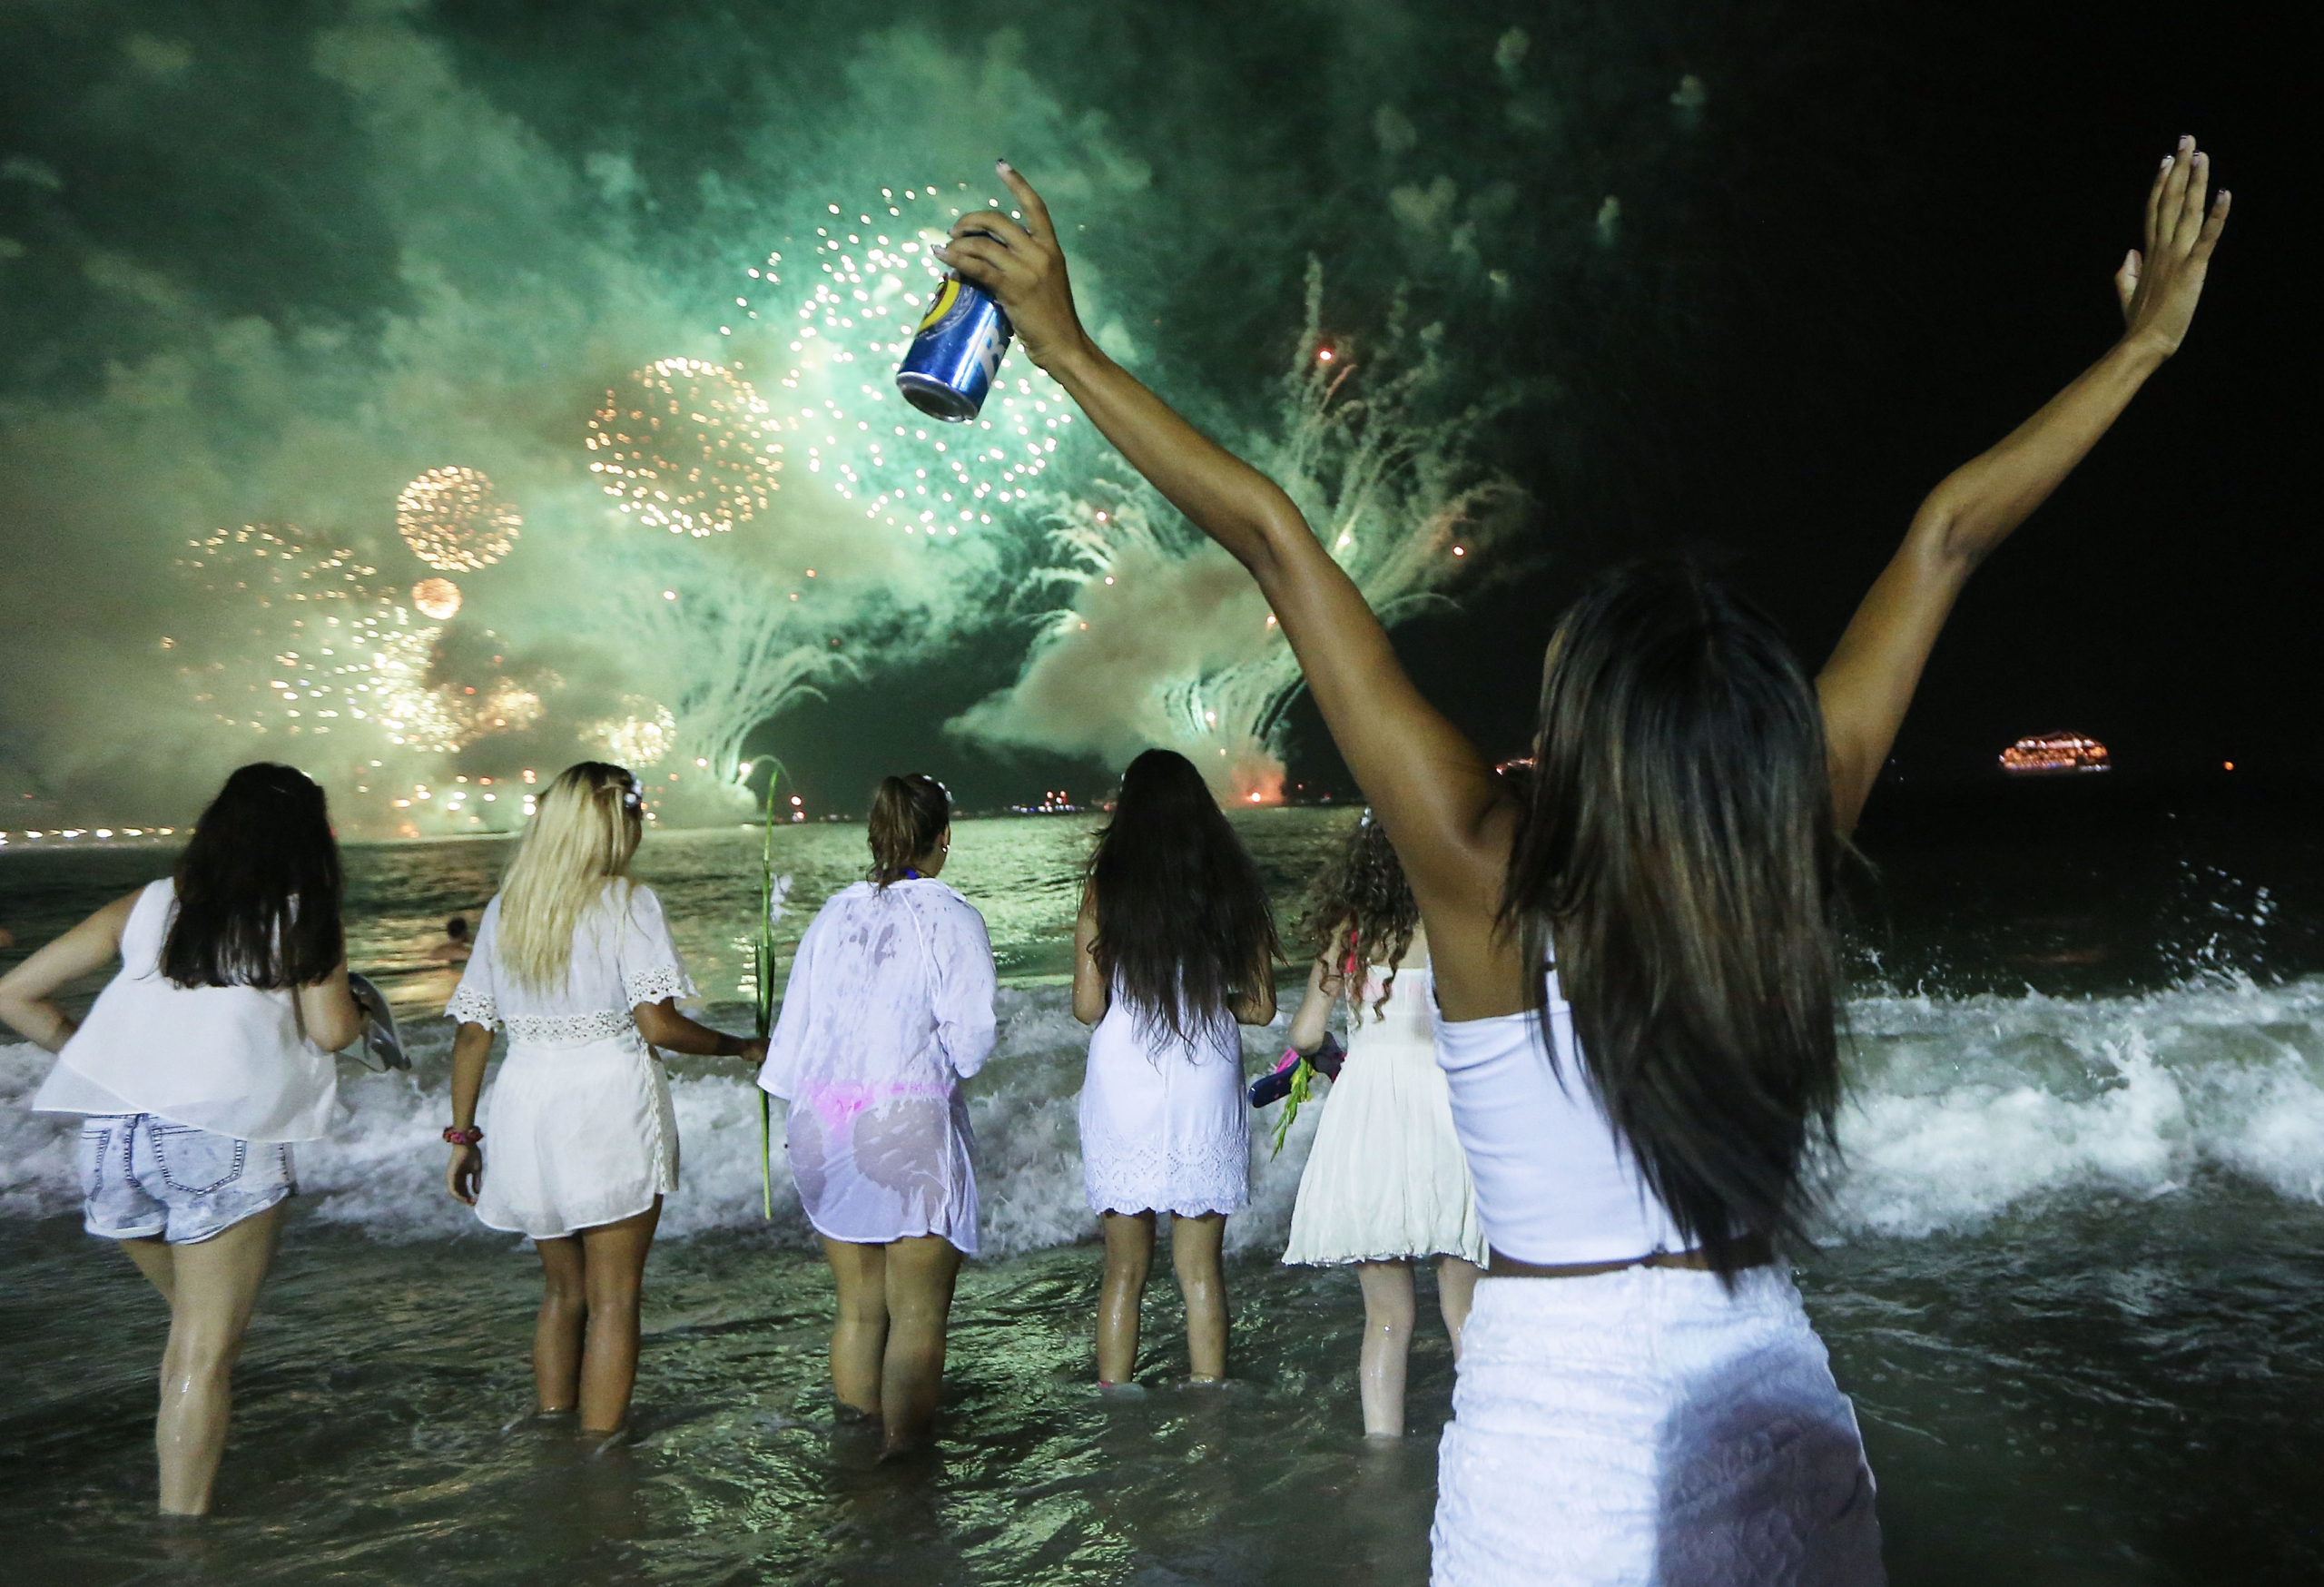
1883	237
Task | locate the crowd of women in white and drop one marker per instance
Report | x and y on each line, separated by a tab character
1589	1009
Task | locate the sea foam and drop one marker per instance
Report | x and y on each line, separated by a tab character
1960	1109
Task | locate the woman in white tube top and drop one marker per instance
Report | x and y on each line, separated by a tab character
1634	967
575	961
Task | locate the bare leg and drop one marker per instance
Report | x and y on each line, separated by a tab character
1456	1291
860	1331
558	1331
1194	1252
921	1274
214	1285
613	1275
1129	1252
1387	1345
154	1260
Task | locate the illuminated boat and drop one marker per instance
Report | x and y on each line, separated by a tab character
2053	753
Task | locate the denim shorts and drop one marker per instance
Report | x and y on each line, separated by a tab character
143	1176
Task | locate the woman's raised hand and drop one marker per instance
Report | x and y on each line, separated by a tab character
2160	285
1023	266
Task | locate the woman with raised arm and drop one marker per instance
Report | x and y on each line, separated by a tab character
575	961
1385	1184
202	1065
1174	947
888	1009
1635	966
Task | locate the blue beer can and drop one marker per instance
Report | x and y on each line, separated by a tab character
951	361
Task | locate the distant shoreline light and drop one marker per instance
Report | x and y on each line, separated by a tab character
2052	752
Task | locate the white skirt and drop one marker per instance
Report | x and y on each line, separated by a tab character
575	1137
1645	1428
1386	1177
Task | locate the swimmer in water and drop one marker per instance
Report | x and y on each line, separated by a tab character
456	947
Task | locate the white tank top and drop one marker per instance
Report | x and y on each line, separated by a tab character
1555	1182
228	1059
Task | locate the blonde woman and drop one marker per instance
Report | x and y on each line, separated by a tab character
577	961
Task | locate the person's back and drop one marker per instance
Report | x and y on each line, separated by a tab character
1385	1183
1175	944
578	964
202	1062
889	1008
1665	1412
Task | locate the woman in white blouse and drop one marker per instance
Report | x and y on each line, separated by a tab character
200	1065
577	961
889	1008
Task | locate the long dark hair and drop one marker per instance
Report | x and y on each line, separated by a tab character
1364	890
1183	921
258	887
1677	861
908	815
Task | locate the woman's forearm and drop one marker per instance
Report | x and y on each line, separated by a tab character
1226	498
662	1026
37	1021
1974	508
470	1049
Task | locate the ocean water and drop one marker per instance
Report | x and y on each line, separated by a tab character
2073	1268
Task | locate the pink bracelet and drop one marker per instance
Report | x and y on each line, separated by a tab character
467	1137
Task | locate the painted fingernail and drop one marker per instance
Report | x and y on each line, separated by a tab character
2186	140
2202	158
1004	165
2166	162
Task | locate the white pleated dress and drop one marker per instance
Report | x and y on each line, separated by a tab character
1385	1178
1165	1123
577	1125
888	1009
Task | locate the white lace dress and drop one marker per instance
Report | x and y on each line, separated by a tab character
1386	1176
1165	1124
888	1009
577	1125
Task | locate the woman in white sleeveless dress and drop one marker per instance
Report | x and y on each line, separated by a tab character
576	963
1175	945
203	1063
1636	964
1385	1184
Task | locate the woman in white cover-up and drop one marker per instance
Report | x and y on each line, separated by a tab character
575	961
1174	946
1386	1183
889	1008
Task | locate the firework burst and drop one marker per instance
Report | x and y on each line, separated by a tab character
682	448
453	522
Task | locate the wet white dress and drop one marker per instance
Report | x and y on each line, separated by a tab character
1386	1177
577	1125
1165	1124
888	1009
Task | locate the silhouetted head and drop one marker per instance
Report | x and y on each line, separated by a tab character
909	816
1675	859
584	831
456	928
1364	892
1183	921
258	887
